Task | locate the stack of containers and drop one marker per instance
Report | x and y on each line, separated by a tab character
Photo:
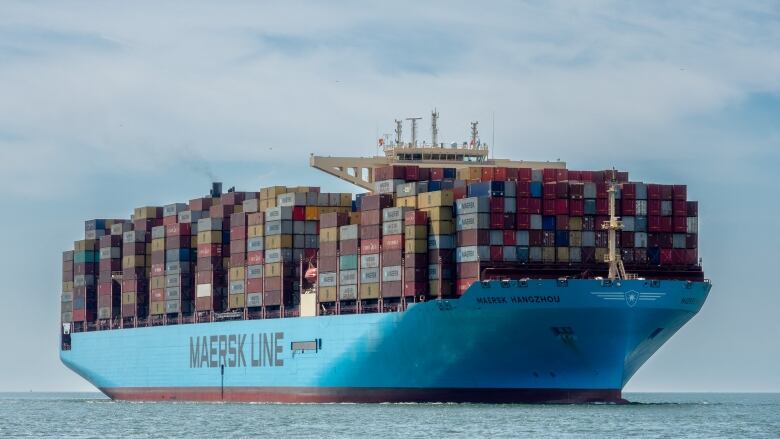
305	203
238	248
210	277
85	264
66	307
472	252
393	251
438	208
278	256
328	265
179	272
109	290
416	271
137	260
255	255
268	197
370	264
349	235
157	279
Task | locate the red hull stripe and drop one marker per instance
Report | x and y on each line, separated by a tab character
362	395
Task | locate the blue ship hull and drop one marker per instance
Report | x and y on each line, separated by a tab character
538	341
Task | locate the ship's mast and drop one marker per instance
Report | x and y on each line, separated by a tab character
435	128
414	130
399	129
474	135
616	269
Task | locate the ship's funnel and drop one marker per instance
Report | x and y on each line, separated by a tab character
216	189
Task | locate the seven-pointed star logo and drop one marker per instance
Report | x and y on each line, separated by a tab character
631	297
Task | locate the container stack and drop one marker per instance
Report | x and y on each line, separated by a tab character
66	299
237	287
210	276
137	261
370	243
255	256
85	267
179	291
328	266
110	290
157	279
416	275
438	209
349	235
393	251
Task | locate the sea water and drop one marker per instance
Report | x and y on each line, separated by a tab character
700	415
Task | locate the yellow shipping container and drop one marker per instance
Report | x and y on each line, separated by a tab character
270	193
85	245
312	213
369	291
575	238
236	273
271	270
157	308
416	232
329	234
575	223
158	245
278	241
443	197
239	208
210	237
345	200
267	204
128	298
548	254
601	253
194	241
235	301
328	294
416	246
406	202
444	227
563	254
133	261
146	212
439	213
157	282
354	217
255	231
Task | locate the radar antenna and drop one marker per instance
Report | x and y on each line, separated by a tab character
616	269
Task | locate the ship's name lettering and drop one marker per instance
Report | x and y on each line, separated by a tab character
237	350
497	300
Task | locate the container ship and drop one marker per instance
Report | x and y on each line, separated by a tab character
456	277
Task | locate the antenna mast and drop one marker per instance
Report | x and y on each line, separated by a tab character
435	128
399	128
616	269
414	129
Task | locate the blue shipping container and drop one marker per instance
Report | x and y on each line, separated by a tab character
548	222
522	254
536	189
448	172
178	255
562	238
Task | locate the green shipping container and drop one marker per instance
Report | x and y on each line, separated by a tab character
348	262
85	257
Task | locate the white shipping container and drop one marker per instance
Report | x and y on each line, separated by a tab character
254	244
237	287
387	186
328	279
369	275
291	199
394	213
369	261
278	213
436	242
407	189
522	237
393	228
640	239
472	253
536	222
348	292
391	273
510	205
588	239
174	209
209	224
641	207
692	224
348	277
203	290
470	205
254	271
348	232
254	299
473	221
510	189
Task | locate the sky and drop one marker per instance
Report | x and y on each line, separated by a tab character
105	106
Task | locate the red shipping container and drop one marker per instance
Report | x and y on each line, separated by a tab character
497	204
376	202
548	206
510	237
459	192
523	205
509	221
561	174
535	206
602	206
524	174
177	229
415	218
653	192
467	238
237	232
146	225
391	257
347	247
209	250
512	174
561	206
369	246
334	219
255	257
299	213
370	217
158	269
105	288
85	268
627	239
575	175
693	208
237	246
418	288
157	294
463	284
221	211
691	257
678	256
523	189
486	174
679	208
680	224
109	265
412	173
576	207
330	248
254	285
199	204
437	173
371	232
561	222
691	240
424	174
549	190
666	192
548	175
496	221
628	206
134	285
601	191
169	220
499	174
523	221
628	191
272	298
666	224
238	259
586	176
535	238
393	242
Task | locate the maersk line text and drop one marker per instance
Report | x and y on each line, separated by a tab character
230	350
